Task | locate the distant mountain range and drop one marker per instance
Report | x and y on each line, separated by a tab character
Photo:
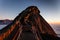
6	21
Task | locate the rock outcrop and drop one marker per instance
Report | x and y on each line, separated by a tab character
29	25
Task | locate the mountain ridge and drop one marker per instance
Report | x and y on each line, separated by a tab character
28	25
5	21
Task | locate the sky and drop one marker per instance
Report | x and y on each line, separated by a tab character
50	9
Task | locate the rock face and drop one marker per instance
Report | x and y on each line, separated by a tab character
29	25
